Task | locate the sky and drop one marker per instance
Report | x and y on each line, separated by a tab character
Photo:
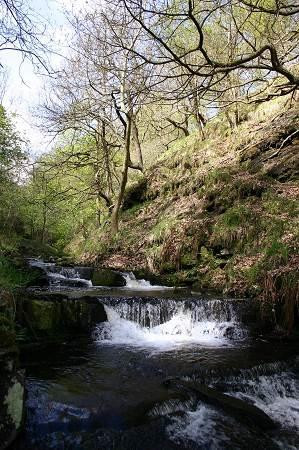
25	88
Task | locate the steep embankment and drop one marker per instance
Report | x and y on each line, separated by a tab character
220	214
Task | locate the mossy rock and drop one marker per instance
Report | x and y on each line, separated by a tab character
7	337
11	400
107	277
43	315
58	314
81	314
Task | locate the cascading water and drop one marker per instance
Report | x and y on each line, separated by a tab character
142	285
61	277
104	392
274	388
164	324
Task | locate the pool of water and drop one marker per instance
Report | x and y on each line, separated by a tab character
78	389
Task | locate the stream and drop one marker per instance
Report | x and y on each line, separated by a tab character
107	390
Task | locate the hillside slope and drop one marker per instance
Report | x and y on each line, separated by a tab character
220	214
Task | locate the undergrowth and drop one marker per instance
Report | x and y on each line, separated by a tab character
216	214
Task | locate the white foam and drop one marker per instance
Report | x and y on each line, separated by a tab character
59	276
142	285
277	395
37	262
62	280
180	330
200	426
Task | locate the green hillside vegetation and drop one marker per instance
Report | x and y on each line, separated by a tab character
221	214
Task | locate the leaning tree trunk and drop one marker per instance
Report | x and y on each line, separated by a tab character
124	178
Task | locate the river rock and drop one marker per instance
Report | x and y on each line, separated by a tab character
11	398
49	314
107	277
238	408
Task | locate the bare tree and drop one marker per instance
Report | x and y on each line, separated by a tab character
99	93
21	30
264	49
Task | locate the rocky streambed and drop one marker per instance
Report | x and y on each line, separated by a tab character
145	367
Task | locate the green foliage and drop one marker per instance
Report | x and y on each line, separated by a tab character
7	325
163	229
277	252
217	176
253	273
233	228
207	258
274	204
11	152
135	194
235	217
12	276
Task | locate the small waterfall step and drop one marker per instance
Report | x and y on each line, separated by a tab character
88	277
143	285
237	407
63	277
166	323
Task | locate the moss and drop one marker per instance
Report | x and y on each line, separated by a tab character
248	186
162	229
277	252
12	276
133	210
253	273
14	402
218	176
207	259
7	331
236	216
233	228
7	316
107	277
44	316
188	259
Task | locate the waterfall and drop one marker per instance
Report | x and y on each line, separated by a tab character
143	285
62	277
166	323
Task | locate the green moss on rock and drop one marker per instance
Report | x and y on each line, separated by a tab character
44	315
14	401
107	277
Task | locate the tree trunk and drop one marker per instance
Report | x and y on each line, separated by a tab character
138	146
124	178
200	120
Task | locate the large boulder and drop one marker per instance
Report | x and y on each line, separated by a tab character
51	314
38	278
107	277
11	398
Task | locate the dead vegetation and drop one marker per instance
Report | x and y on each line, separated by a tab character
220	214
